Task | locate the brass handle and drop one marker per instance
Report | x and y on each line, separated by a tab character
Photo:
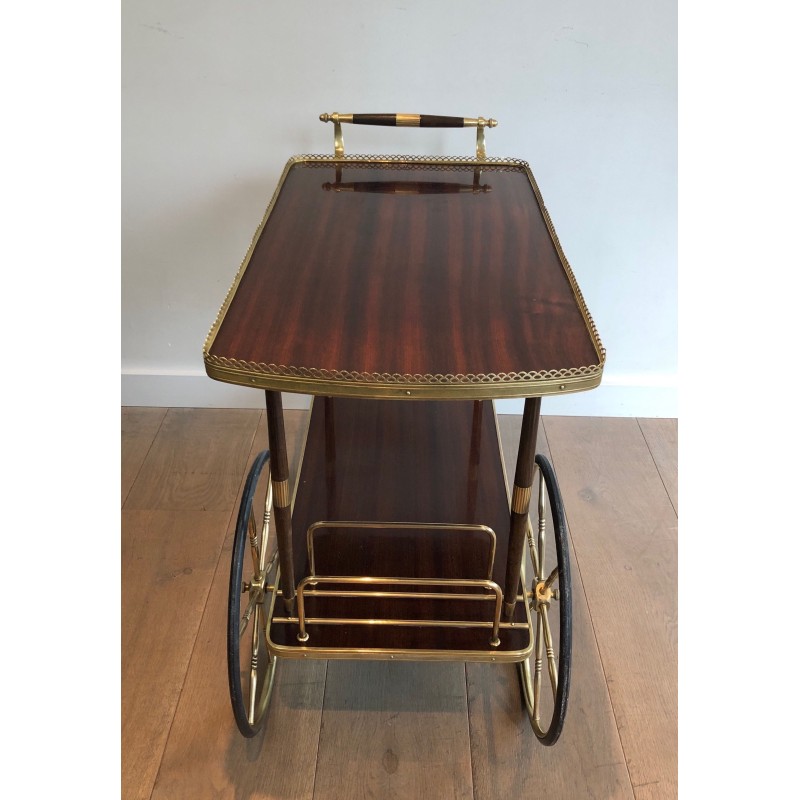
408	121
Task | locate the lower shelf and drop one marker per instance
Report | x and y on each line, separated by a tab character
413	491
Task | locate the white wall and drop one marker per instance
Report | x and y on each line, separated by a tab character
217	95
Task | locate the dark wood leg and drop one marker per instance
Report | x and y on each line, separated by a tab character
279	463
521	500
474	459
330	458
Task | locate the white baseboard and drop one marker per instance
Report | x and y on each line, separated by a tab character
194	390
635	395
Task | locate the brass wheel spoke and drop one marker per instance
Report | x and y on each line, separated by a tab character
252	532
272	559
537	670
255	597
534	559
542	508
251	712
551	578
551	658
265	530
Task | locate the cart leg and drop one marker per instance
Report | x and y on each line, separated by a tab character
330	458
280	491
474	459
520	500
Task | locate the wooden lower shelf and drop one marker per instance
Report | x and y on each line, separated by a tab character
425	463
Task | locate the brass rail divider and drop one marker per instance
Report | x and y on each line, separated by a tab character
314	580
435	526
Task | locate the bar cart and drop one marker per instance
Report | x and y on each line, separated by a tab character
404	294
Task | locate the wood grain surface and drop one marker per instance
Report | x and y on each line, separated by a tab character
206	756
435	283
196	462
280	760
624	534
139	428
393	730
661	436
588	760
168	561
171	544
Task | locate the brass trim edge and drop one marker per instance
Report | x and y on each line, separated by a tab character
336	383
438	379
386	654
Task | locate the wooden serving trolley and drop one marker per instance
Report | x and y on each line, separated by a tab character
404	294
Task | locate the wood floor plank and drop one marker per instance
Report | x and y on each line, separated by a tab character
196	461
661	436
206	756
139	428
168	561
394	730
508	761
624	534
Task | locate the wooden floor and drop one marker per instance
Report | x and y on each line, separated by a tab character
384	730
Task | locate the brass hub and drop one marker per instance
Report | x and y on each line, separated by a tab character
544	594
257	585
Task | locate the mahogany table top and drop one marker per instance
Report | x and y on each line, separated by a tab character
413	278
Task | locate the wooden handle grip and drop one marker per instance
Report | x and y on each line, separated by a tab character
410	120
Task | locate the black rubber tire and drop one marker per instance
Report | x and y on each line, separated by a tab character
240	545
551	735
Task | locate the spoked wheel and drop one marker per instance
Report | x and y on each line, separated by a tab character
251	668
551	613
